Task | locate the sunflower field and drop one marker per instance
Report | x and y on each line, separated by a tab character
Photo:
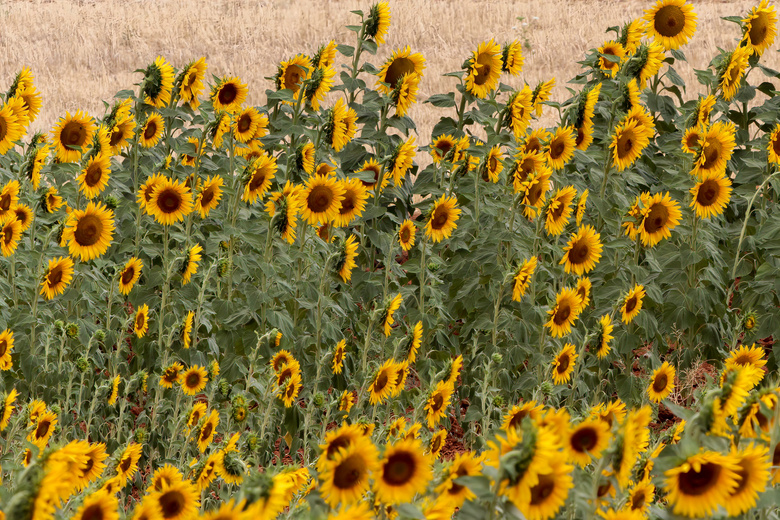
307	310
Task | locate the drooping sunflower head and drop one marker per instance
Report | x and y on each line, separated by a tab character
611	54
523	277
442	218
484	69
405	93
258	181
228	94
400	64
671	23
512	58
632	303
341	125
760	27
559	210
190	82
541	94
377	22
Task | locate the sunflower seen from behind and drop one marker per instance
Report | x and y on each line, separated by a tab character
732	71
158	83
191	83
604	336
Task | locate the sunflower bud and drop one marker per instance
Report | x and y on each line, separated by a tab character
112	202
224	387
56	409
547	388
319	400
72	330
750	321
224	245
497	358
99	335
141	435
498	401
213	369
252	441
238	413
223	267
82	364
377	22
59	326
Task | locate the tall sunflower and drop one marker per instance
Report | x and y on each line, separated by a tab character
94	177
406	234
152	130
438	401
58	275
341	126
671	23
127	463
382	385
194	380
560	148
691	140
661	215
191	86
612	49
442	218
753	465
587	440
405	94
179	501
171	375
345	479
632	304
207	430
401	63
228	94
322	198
10	233
628	142
158	83
711	195
89	232
346	263
548	494
141	321
563	364
704	481
209	196
542	93
760	27
519	109
522	278
515	416
773	148
403	472
186	329
564	313
402	160
71	135
353	202
245	124
9	199
604	336
6	346
732	70
492	165
559	210
583	251
190	263
129	275
716	146
291	74
261	172
484	69
170	202
661	383
10	129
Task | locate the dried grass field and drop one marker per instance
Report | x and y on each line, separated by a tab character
83	52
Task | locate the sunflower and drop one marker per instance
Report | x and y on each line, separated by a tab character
31	98
492	164
171	375
701	483
228	95
583	251
484	69
564	313
207	430
752	356
170	202
325	55
584	137
402	160
220	128
753	465
406	234
263	171
563	364
437	443
205	471
130	275
141	321
158	83
671	23
121	135
711	195
346	263
401	63
341	125
127	463
518	111
345	478
545	498
405	94
114	391
732	72
179	501
98	505
194	380
717	146
541	94
773	148
661	383
10	233
760	27
338	357
51	200
57	277
209	195
649	59
289	393
191	85
414	343
382	383
560	149
604	336
442	218
292	73
152	130
93	468
438	401
9	199
403	471
6	346
514	417
71	135
392	306
246	124
353	202
628	142
89	232
559	210
587	440
523	278
691	140
186	330
442	145
322	199
613	49
632	304
190	264
661	215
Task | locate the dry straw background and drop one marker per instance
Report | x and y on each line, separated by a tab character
83	52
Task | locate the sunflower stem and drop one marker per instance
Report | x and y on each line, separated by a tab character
266	261
233	216
460	111
422	278
356	60
164	289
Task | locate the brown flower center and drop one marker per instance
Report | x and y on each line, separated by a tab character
228	93
669	21
172	503
169	201
440	218
150	130
244	123
140	320
631	304
193	380
92	512
399	469
128	274
562	313
656	218
696	483
584	439
659	383
483	67
397	69
708	192
759	27
542	490
319	199
55	276
563	364
88	230
73	134
349	472
292	77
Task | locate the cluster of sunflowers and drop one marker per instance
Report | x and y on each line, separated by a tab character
217	311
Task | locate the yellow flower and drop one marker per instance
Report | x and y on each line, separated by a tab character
89	232
711	195
246	124
207	430
6	346
94	177
560	149
406	234
519	109
732	72
716	146
523	278
190	264
392	306
403	472
512	58
341	126
604	336
402	160
671	23
57	277
753	465
70	135
611	48
541	94
492	165
141	321
583	251
587	440
345	479
559	210
628	142
194	380
701	483
760	27
438	401
514	417
127	464
192	82
442	218
632	304
338	357
565	312
158	83
114	391
152	130
228	95
263	171
321	199
170	202
291	74
383	383
353	202
130	275
405	94
484	69
209	195
661	383
346	263
10	233
378	22
400	64
661	215
563	364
